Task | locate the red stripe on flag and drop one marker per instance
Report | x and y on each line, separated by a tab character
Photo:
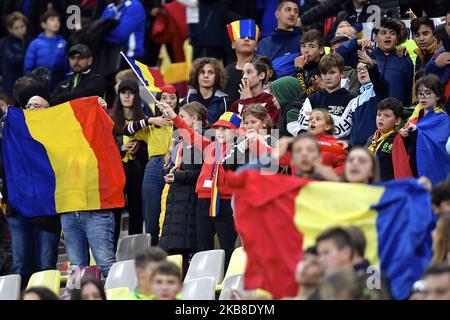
97	129
157	76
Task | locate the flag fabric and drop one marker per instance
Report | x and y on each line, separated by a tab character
215	194
433	161
62	159
243	29
150	77
395	216
264	216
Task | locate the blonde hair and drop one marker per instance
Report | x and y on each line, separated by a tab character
125	74
328	119
196	109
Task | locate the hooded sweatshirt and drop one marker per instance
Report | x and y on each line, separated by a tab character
282	47
216	105
286	89
338	104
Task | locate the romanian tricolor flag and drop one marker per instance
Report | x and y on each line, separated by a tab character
62	159
278	216
243	29
150	77
215	195
433	161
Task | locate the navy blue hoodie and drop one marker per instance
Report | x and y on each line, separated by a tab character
398	72
338	104
216	105
282	47
364	107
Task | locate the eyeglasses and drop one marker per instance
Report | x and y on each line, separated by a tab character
425	94
32	106
362	69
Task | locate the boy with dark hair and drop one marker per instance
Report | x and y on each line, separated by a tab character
166	282
386	144
437	282
440	198
422	30
146	263
13	50
397	70
48	50
254	76
282	45
312	48
335	248
332	97
359	241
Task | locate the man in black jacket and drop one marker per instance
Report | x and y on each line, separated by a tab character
82	82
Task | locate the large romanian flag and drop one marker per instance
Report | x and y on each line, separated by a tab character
278	216
62	159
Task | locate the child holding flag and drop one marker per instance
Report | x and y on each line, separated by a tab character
214	211
428	129
157	133
179	234
386	144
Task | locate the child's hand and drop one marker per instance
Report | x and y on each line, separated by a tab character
402	51
129	146
364	58
325	171
244	89
170	177
135	147
165	108
343	143
318	82
425	182
443	60
102	103
365	43
300	61
159	121
283	145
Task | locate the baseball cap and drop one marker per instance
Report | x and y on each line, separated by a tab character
82	49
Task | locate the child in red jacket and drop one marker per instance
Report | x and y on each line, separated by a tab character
214	211
321	125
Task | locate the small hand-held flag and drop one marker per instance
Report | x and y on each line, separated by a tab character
151	78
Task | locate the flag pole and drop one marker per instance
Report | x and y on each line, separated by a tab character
141	80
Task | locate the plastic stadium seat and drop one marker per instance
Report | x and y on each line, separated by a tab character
129	246
199	289
122	274
117	293
232	282
177	259
10	287
50	279
207	264
237	264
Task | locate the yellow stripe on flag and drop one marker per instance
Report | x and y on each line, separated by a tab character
321	205
71	157
148	77
237	30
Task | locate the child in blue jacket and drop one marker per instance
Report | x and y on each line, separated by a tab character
48	50
398	72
